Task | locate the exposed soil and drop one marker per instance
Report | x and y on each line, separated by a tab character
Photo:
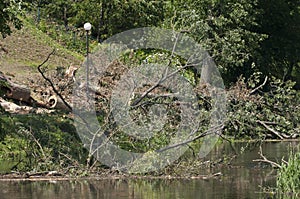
25	49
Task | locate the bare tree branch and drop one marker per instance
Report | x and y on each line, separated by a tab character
270	129
51	83
264	159
208	132
254	90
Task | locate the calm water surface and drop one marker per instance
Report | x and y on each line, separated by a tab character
243	179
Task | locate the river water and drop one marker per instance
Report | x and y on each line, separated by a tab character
242	179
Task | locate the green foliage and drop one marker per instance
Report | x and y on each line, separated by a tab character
225	29
72	39
243	36
9	11
107	17
111	17
13	153
40	143
279	54
276	106
288	180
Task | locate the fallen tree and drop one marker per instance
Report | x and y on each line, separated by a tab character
21	109
14	91
24	100
18	99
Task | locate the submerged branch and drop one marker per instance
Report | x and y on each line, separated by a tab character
264	159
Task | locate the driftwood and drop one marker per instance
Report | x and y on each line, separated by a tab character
280	135
264	159
270	129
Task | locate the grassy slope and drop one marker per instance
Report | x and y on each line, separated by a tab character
26	49
29	47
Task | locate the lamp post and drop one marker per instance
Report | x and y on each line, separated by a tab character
87	27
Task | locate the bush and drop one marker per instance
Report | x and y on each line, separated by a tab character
39	143
272	108
288	180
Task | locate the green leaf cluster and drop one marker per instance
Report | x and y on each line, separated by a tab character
9	12
277	105
39	143
288	180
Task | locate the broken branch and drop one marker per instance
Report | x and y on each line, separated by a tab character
51	83
264	159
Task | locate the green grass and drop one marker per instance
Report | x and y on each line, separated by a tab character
39	143
288	181
46	40
29	47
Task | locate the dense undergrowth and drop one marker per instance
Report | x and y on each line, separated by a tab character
39	143
288	180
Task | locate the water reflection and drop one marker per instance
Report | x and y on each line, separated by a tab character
241	180
129	189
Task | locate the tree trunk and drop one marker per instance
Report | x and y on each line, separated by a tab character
14	91
65	18
24	100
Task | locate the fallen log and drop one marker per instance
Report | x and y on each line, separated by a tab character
14	91
14	108
18	109
55	102
24	101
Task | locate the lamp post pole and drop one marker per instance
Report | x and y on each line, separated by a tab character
87	27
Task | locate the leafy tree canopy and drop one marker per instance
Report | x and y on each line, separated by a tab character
280	52
9	11
225	29
243	36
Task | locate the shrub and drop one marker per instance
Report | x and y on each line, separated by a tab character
288	180
272	109
39	143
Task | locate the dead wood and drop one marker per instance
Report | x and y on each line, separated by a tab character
24	101
14	91
264	159
21	109
51	83
276	133
56	103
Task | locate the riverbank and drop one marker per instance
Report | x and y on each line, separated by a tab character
259	108
241	178
219	162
